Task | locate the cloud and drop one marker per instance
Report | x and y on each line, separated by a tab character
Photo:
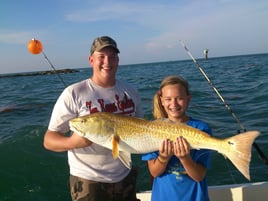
100	13
123	11
224	26
145	30
14	37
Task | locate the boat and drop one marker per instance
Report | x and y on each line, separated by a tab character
256	191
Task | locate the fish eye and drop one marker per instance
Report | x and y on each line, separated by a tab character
83	121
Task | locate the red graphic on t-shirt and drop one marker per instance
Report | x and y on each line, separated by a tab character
124	106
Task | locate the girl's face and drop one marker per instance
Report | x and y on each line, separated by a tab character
175	102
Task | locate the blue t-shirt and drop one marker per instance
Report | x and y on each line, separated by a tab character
174	184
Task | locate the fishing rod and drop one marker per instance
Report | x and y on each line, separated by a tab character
261	154
51	65
36	47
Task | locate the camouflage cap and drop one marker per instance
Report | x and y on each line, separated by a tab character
102	42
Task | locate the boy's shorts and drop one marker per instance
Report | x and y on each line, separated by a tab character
85	190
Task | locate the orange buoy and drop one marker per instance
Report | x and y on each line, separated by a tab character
35	46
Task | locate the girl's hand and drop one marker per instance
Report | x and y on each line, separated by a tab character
165	150
182	151
158	165
181	148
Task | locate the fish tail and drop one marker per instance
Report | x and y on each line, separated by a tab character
238	150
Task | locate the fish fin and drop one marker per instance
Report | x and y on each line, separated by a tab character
123	146
125	158
115	142
239	150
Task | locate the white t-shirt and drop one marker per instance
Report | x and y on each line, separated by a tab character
94	162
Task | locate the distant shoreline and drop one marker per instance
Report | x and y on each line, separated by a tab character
49	72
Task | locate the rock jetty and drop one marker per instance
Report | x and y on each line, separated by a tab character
62	71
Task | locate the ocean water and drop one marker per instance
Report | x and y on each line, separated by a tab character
29	172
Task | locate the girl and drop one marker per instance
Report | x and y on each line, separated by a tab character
179	172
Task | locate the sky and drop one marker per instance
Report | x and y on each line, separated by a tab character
145	31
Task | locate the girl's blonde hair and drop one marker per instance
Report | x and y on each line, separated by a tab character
158	109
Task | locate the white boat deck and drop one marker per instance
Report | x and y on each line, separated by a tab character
237	192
